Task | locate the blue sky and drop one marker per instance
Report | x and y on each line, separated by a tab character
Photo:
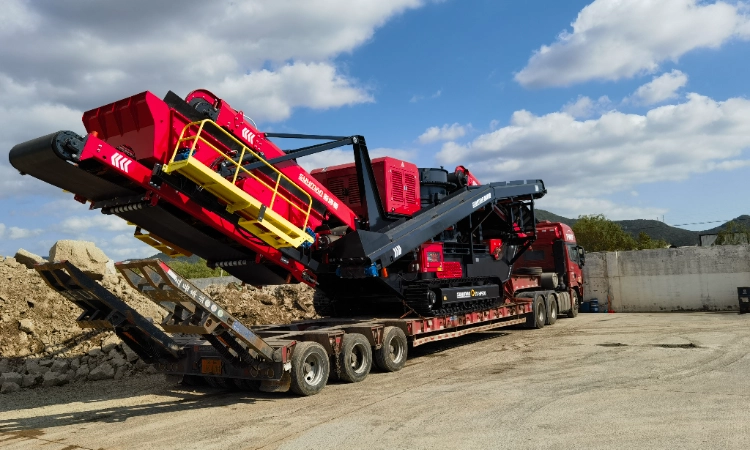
632	109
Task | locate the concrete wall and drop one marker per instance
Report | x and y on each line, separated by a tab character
688	278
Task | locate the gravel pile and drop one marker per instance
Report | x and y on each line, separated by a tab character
41	345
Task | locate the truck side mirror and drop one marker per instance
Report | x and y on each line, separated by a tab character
581	256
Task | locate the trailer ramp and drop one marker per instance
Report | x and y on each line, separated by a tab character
103	310
194	312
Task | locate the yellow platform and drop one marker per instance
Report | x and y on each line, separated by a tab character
257	218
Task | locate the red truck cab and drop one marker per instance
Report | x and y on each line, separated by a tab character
556	251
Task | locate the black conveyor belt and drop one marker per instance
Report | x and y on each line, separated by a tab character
43	158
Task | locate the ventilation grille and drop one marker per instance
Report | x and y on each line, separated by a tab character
397	186
411	189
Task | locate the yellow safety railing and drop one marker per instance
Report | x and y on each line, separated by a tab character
181	144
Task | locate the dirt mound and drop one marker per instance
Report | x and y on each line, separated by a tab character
41	345
268	305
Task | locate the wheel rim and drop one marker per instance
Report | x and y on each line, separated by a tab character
312	369
358	359
395	350
553	314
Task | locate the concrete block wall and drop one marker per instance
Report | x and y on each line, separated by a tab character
679	279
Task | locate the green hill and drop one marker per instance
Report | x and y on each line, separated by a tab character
654	228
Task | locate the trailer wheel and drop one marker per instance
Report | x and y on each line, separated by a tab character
355	358
310	368
573	305
540	312
553	310
391	356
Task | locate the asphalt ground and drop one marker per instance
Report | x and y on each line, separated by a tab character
598	381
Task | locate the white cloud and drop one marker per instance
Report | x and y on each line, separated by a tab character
574	206
584	107
614	152
620	39
81	224
266	58
661	88
17	233
416	98
444	133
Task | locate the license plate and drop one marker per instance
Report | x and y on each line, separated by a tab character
211	366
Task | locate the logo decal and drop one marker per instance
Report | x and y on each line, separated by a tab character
121	161
248	135
397	251
484	198
471	293
326	198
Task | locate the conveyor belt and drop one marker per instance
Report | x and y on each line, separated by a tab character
50	159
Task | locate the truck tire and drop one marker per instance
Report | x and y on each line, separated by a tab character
391	356
355	358
310	368
553	310
539	317
574	304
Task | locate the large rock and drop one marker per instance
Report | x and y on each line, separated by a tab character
9	387
82	254
102	372
27	326
28	259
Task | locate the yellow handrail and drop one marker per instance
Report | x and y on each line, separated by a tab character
238	165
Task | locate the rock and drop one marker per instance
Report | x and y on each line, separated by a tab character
110	343
82	372
118	361
130	355
110	267
151	369
95	352
120	373
4	364
46	362
103	371
60	365
83	254
34	368
11	262
9	387
28	259
26	325
31	380
75	364
140	365
51	379
113	353
11	377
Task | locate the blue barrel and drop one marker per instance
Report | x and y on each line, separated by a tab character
594	305
585	307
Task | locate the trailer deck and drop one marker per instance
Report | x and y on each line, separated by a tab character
200	341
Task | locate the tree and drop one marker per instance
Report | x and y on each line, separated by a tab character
596	233
733	234
193	270
644	242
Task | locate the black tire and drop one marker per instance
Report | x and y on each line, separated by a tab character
574	305
553	310
391	356
539	317
355	359
322	304
310	368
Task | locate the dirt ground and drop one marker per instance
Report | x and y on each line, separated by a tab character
598	381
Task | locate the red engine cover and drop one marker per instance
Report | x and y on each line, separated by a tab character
398	183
